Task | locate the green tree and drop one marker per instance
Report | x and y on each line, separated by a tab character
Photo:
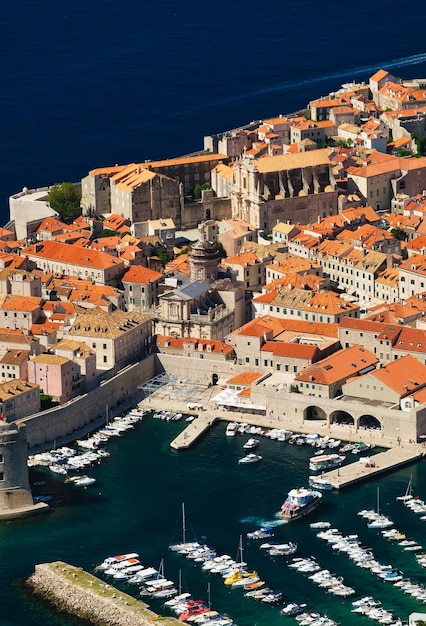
421	145
64	198
109	232
398	233
162	254
199	188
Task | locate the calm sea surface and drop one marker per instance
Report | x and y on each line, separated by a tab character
135	506
85	84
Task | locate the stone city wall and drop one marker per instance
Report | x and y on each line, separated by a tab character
66	423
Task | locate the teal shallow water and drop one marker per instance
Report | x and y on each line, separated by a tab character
135	506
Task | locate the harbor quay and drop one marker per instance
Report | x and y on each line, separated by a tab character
397	454
72	590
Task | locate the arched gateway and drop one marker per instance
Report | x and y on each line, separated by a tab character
314	413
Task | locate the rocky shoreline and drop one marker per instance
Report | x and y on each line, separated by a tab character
72	590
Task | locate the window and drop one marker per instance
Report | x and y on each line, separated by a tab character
105	358
104	346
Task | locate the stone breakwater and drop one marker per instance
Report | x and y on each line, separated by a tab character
72	590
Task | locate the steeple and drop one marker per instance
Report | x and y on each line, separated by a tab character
203	259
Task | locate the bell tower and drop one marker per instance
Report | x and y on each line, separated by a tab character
203	259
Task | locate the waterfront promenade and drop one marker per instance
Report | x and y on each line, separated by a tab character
204	418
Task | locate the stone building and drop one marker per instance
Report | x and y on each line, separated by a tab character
294	187
16	499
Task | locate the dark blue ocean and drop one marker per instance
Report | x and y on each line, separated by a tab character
86	84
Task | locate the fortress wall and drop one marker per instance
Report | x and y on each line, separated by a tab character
83	414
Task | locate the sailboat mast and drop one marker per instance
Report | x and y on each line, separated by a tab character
183	523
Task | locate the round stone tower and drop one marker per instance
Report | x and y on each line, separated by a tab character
203	259
16	499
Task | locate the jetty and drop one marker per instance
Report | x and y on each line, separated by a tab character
342	477
348	475
72	590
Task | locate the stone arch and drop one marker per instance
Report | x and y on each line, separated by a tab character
314	413
369	422
342	418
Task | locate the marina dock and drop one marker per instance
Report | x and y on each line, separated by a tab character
391	459
355	472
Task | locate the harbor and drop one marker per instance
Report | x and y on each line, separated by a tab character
142	484
394	457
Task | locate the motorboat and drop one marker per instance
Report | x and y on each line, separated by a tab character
264	532
325	461
250	459
320	483
283	549
82	481
320	525
300	502
251	444
293	608
231	429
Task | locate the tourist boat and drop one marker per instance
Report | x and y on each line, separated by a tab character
320	483
111	560
300	502
231	429
251	444
249	459
325	461
264	532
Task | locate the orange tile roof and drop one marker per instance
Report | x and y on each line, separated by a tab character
106	170
245	378
379	75
339	366
404	375
244	259
215	346
292	350
265	323
140	274
21	303
75	255
51	224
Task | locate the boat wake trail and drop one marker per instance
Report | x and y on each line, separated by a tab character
259	521
415	59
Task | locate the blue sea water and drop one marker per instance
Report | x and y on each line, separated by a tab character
86	84
135	505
